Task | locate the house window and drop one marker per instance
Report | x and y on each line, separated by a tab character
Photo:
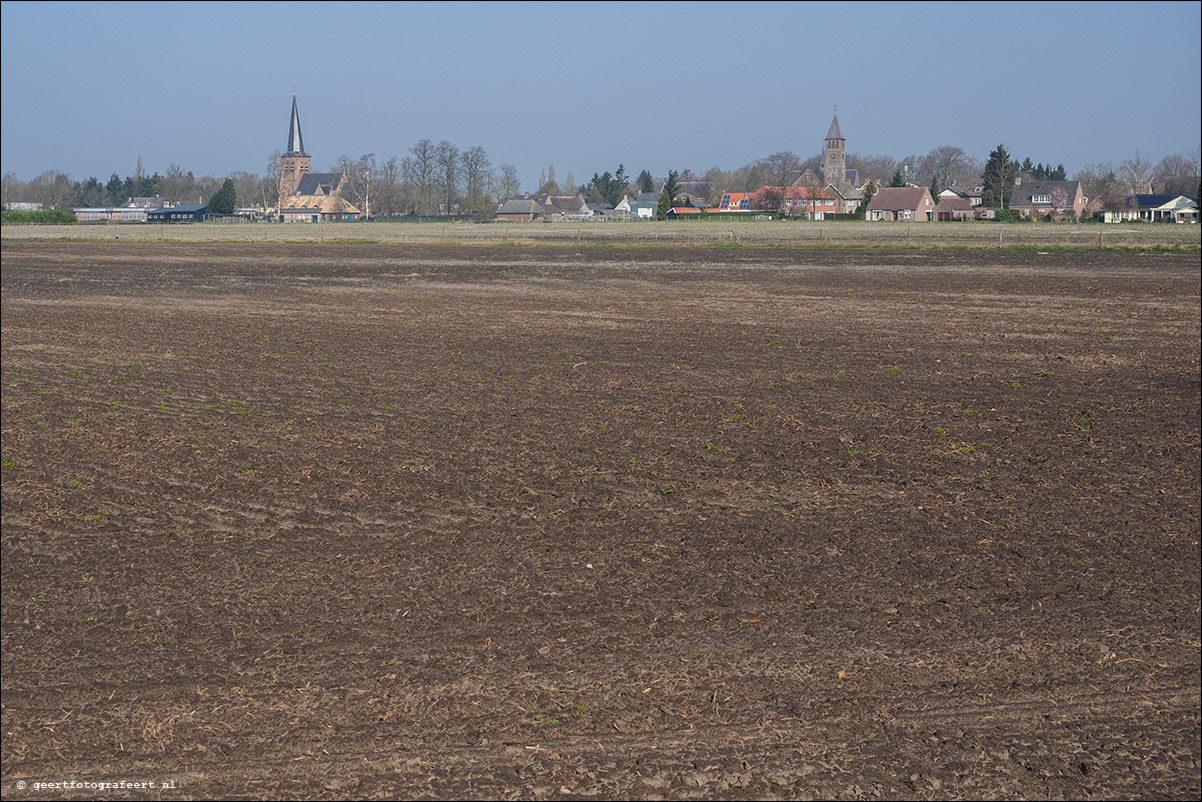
906	215
1041	199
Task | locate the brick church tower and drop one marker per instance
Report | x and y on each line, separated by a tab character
834	155
295	162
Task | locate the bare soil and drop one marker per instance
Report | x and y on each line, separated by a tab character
364	521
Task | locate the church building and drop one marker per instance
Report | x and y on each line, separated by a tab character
306	196
834	158
836	179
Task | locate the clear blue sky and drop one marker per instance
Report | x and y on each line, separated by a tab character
87	87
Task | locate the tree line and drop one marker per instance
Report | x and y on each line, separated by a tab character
443	179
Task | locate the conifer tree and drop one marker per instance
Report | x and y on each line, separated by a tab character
225	199
1000	172
646	182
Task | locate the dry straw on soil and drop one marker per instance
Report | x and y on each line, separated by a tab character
788	233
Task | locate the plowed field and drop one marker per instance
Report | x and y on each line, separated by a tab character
317	520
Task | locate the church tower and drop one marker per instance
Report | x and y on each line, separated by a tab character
834	155
295	162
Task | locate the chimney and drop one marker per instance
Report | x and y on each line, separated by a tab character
1018	179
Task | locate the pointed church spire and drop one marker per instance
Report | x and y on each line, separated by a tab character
834	132
296	144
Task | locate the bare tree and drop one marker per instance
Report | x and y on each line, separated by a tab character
270	186
718	186
1099	182
944	165
422	168
247	186
477	169
360	179
780	166
1178	173
547	185
814	189
10	189
768	199
508	184
877	167
447	156
53	189
1136	175
177	186
389	195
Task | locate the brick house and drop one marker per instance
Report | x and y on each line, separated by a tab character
953	208
901	204
1043	198
523	210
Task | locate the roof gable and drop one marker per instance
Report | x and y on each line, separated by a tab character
318	184
1058	193
890	198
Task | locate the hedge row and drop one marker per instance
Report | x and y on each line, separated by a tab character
55	217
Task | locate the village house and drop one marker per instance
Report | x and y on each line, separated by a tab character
736	202
1155	209
952	208
901	204
522	210
566	206
847	198
973	194
809	202
1048	198
627	209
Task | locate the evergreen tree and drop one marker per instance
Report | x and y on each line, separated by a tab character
116	190
665	203
935	187
1000	172
671	187
611	187
1028	168
646	182
869	191
620	182
899	180
1058	174
225	199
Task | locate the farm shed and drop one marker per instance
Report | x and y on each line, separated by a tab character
187	213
